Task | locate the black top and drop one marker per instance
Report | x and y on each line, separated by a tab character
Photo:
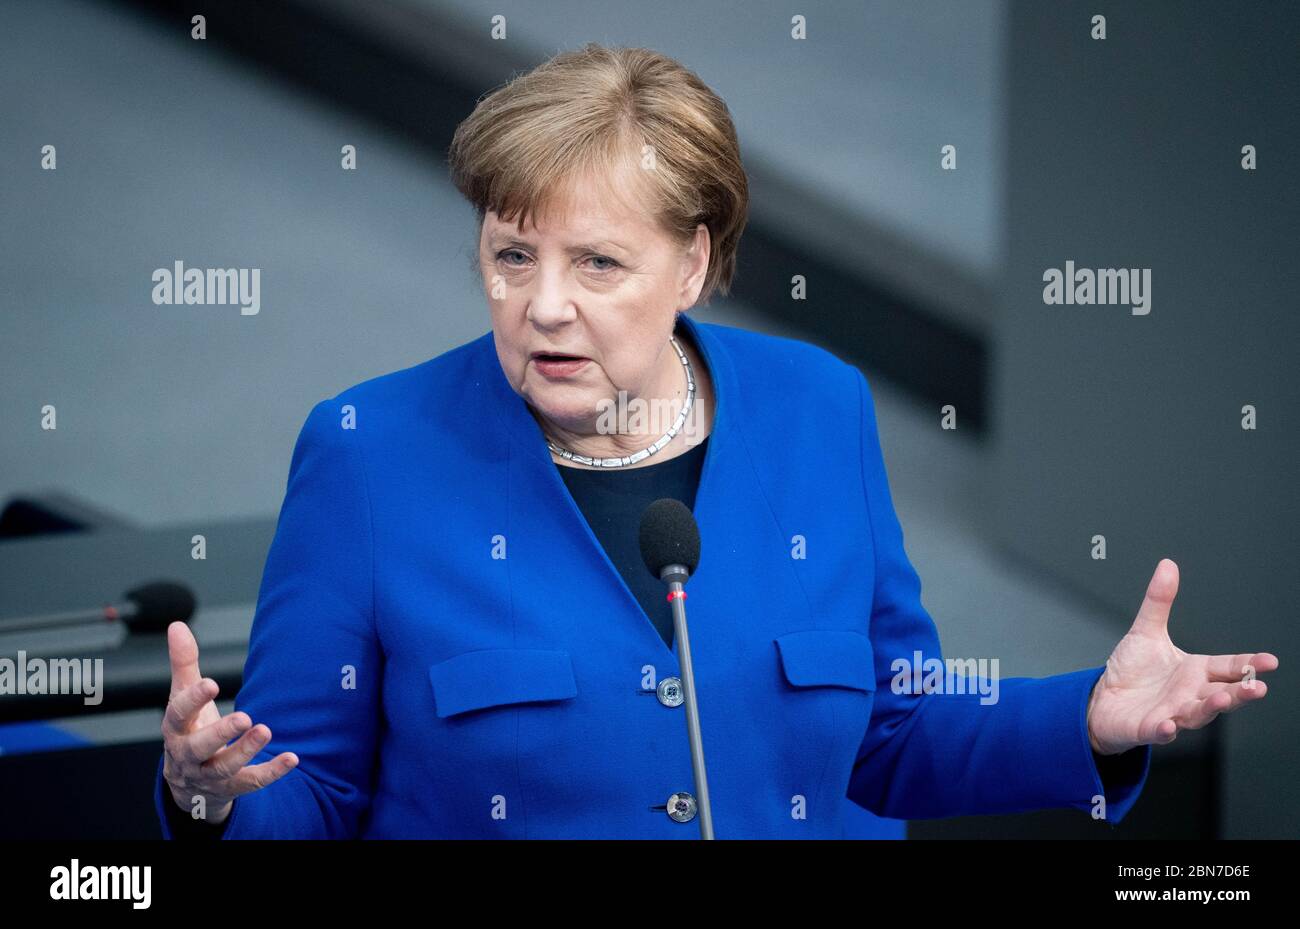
613	499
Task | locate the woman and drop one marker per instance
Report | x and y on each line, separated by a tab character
454	635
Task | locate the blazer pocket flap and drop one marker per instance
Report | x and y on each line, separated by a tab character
498	676
828	658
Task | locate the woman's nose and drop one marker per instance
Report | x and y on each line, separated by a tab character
550	302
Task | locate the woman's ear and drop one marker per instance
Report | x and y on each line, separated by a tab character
695	267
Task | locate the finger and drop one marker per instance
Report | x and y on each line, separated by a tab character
1164	733
257	776
1225	698
183	651
1228	668
206	742
228	761
1244	692
183	708
1200	711
1153	616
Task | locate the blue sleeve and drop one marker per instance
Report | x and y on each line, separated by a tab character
314	667
932	755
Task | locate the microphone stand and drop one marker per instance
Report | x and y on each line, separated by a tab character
675	576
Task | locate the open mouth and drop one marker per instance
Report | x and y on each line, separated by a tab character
556	365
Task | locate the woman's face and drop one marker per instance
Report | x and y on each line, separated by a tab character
600	282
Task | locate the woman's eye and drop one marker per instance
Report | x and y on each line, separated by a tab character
607	264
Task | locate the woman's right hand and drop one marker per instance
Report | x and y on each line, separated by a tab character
197	762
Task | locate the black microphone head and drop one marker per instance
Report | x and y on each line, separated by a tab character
669	535
160	603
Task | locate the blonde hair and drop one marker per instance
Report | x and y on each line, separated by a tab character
588	115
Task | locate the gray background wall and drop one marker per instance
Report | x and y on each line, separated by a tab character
1127	153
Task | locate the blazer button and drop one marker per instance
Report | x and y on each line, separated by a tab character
669	691
681	807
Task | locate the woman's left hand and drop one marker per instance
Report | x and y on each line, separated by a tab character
1152	689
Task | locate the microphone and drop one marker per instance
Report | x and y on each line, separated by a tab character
670	548
150	607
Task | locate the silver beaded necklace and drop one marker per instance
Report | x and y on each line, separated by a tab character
649	450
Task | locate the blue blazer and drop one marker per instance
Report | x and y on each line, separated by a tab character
444	643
